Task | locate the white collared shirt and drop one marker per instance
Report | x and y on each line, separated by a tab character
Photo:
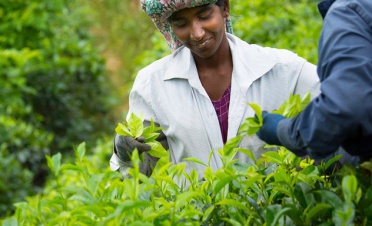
170	92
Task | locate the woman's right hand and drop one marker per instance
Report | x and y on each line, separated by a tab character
125	145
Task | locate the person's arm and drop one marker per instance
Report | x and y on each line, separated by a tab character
344	107
139	101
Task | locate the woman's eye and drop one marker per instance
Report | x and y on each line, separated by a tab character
205	16
179	25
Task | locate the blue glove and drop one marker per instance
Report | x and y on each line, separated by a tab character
267	132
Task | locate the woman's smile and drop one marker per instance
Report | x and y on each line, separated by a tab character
202	44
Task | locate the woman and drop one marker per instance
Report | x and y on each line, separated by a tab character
199	93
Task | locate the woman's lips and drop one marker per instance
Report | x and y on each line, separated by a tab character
202	44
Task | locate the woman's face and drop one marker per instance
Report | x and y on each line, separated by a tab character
201	29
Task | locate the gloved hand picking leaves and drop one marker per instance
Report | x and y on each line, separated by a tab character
133	134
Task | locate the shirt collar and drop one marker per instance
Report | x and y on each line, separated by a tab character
250	60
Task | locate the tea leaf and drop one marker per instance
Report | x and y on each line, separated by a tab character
207	213
222	183
367	166
301	194
54	163
231	202
80	151
135	125
151	137
195	160
184	198
157	150
273	156
344	215
70	166
274	213
250	126
130	204
258	112
122	130
326	196
349	187
318	209
331	161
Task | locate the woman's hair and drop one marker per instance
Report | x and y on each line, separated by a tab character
220	2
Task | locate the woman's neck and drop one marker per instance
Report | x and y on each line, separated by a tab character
215	72
221	58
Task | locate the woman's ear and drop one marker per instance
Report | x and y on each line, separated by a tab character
226	8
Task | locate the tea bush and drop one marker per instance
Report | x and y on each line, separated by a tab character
23	142
53	89
277	189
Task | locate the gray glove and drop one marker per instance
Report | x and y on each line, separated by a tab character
124	146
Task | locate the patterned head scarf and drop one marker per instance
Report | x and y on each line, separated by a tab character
160	10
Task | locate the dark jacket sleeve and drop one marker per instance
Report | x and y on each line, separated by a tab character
342	114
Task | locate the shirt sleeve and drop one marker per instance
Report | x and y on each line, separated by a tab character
139	102
343	109
308	81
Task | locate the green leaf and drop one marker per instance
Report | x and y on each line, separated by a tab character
152	128
327	196
69	166
232	221
305	101
273	157
367	166
331	161
344	215
229	149
257	110
122	130
54	163
135	125
93	183
302	196
251	126
184	198
222	183
130	204
157	150
195	160
231	202
247	152
151	137
349	187
80	152
207	213
317	210
140	223
274	213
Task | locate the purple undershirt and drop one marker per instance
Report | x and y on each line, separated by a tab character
222	109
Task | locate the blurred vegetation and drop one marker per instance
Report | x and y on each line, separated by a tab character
67	66
123	32
54	90
287	24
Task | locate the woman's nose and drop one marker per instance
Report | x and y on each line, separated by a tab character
197	31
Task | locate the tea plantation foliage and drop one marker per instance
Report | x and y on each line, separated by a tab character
277	189
52	91
54	95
